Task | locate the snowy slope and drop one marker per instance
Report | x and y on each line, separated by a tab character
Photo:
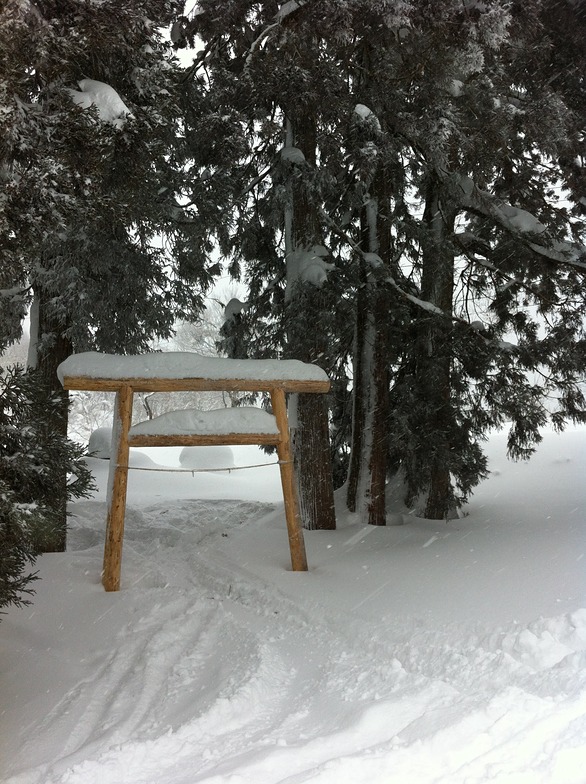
417	653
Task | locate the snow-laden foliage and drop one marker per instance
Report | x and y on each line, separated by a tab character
91	225
88	124
17	551
444	141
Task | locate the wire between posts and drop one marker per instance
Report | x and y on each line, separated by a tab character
194	471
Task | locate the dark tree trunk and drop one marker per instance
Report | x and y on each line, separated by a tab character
311	444
367	476
52	349
378	468
358	395
312	449
435	353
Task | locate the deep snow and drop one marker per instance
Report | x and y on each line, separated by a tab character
416	653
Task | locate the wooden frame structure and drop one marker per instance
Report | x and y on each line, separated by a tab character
122	440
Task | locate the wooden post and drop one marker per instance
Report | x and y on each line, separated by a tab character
117	482
294	529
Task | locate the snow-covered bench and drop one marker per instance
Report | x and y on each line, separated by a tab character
182	371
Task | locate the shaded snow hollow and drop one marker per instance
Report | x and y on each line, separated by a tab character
427	653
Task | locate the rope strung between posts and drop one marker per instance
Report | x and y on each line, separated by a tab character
194	471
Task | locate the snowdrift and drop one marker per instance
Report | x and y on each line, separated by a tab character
427	652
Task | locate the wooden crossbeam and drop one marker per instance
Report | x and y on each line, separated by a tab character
88	383
225	439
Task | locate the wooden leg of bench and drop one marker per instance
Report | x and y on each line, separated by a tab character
294	529
117	483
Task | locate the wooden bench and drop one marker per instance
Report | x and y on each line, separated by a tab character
182	371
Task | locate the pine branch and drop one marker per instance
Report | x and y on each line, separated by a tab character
484	204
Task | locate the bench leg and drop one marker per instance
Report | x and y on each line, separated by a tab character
117	483
294	529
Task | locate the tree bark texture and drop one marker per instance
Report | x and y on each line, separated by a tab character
358	395
366	492
435	352
53	348
306	342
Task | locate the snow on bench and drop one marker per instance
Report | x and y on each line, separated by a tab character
192	427
222	421
182	370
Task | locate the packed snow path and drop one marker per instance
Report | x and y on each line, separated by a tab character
428	652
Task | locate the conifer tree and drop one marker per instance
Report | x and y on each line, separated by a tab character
275	221
32	452
442	130
87	157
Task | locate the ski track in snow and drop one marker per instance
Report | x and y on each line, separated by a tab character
214	674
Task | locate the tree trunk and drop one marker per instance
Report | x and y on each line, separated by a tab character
359	394
378	464
53	347
435	353
311	445
367	476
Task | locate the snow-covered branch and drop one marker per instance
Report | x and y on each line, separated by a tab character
521	223
256	43
15	294
111	108
284	11
375	263
288	8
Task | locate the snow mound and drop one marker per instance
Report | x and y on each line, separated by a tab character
100	443
207	457
185	364
293	155
100	447
427	653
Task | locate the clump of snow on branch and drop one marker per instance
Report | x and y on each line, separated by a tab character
455	88
367	115
515	218
521	220
111	108
309	266
288	8
373	260
234	308
293	155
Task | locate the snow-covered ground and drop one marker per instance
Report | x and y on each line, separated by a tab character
416	653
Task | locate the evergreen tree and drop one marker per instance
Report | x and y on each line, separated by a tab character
87	156
262	165
17	551
433	138
31	453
